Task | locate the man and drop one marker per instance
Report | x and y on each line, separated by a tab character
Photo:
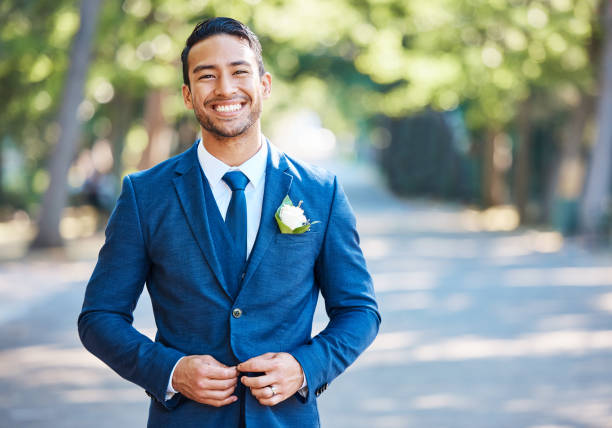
233	297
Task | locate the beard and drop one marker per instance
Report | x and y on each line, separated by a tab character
230	130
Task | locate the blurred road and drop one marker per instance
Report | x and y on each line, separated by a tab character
480	329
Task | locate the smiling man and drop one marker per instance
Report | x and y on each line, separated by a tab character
233	286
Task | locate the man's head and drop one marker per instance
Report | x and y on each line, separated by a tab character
221	25
225	83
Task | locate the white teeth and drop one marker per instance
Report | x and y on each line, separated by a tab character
228	108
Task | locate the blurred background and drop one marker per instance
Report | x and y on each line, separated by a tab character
473	137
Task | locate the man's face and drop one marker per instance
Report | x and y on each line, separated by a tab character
227	90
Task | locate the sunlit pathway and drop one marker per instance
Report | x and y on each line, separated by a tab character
480	330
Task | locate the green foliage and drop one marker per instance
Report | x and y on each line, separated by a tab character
349	60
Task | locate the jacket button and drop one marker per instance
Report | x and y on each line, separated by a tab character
237	313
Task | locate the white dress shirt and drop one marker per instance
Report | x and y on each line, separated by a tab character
255	170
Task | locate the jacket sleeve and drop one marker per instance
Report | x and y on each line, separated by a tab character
105	323
346	286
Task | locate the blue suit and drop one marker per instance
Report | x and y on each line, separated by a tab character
166	231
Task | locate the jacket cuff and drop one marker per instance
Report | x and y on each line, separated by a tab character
172	358
312	373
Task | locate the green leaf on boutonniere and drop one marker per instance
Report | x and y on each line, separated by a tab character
296	212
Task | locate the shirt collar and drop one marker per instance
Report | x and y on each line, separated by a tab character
254	167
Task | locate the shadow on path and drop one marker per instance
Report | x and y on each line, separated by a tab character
480	329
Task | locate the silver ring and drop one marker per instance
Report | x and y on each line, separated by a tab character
272	389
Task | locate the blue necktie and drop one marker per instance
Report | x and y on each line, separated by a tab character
236	216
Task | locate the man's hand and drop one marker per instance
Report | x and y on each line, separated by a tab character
205	380
283	376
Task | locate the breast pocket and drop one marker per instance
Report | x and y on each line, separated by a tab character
305	238
295	252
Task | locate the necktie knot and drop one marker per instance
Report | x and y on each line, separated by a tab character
236	180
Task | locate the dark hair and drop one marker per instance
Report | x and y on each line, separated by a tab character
221	25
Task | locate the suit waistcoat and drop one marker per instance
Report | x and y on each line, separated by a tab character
231	264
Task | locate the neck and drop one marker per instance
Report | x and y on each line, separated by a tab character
233	151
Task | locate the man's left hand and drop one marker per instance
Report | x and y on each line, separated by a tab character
283	376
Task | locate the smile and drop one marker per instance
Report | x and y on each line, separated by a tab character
227	108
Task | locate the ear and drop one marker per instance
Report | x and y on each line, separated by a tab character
266	83
187	97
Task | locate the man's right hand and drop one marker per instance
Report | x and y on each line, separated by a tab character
205	380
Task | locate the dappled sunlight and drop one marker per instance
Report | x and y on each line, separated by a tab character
461	248
381	404
388	421
603	302
457	302
17	232
375	249
46	356
405	301
401	348
43	277
301	134
525	244
498	218
79	222
520	405
563	321
401	281
441	401
17	229
568	342
396	340
550	426
588	276
498	247
590	412
103	395
65	376
49	366
409	301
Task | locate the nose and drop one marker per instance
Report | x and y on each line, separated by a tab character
225	86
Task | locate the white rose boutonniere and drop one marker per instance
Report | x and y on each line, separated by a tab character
291	218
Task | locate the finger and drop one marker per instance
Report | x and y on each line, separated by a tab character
212	394
258	381
263	393
219	384
220	403
261	363
216	372
272	401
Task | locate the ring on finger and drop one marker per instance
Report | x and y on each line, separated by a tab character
272	389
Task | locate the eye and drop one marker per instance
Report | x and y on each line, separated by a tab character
241	72
206	76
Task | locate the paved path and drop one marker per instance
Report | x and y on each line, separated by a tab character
480	330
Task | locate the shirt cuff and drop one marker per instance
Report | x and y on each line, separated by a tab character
303	391
171	391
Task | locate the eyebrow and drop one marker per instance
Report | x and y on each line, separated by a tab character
201	67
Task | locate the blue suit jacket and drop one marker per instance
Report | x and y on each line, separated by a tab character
160	234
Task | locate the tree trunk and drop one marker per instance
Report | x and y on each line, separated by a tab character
522	167
495	164
56	195
160	134
122	116
595	206
487	171
568	180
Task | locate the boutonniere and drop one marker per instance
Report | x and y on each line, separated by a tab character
291	218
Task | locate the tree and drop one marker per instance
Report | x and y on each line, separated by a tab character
56	195
595	207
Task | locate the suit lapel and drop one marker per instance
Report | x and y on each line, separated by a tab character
278	183
189	188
